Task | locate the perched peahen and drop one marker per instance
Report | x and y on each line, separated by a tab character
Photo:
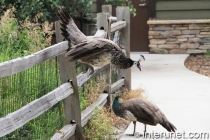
95	52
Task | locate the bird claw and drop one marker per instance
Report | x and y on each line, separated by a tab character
130	134
141	135
90	71
85	71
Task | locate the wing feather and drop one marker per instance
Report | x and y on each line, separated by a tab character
87	49
144	112
69	28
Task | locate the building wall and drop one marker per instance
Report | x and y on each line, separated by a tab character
179	36
182	9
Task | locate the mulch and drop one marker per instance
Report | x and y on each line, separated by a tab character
199	64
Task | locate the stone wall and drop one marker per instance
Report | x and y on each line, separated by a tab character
179	36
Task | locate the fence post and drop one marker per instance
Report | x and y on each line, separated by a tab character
102	22
71	103
123	13
107	9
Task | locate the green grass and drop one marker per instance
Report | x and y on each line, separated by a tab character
20	89
99	127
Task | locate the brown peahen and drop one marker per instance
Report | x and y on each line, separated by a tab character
95	52
142	111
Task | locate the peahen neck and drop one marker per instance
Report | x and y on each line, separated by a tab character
117	108
116	102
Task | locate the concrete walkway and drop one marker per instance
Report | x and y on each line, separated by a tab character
183	95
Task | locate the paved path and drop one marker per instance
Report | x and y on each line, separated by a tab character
183	95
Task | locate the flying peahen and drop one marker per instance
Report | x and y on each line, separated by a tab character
95	52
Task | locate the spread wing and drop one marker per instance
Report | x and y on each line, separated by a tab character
92	47
69	28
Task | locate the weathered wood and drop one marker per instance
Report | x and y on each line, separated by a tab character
50	52
109	82
123	14
71	103
66	132
35	108
87	113
117	85
113	19
107	9
84	77
116	38
102	22
20	64
100	34
118	26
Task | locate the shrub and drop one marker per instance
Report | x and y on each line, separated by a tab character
30	8
101	122
123	3
91	92
22	39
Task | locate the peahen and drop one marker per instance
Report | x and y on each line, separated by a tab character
95	52
143	111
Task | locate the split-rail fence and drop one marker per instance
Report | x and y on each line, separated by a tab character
68	91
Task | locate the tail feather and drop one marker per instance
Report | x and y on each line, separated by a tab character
69	28
64	16
168	126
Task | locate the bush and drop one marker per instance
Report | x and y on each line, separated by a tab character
30	8
18	40
91	91
101	122
123	3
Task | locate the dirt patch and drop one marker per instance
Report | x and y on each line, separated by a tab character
199	64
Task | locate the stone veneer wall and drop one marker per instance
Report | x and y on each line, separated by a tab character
179	36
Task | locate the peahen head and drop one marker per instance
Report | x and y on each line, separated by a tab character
117	98
137	63
116	101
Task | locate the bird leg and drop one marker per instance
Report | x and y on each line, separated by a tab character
134	130
87	68
91	70
145	129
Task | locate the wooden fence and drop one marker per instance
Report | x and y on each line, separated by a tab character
68	91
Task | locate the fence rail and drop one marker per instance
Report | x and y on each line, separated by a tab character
30	111
20	64
68	91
